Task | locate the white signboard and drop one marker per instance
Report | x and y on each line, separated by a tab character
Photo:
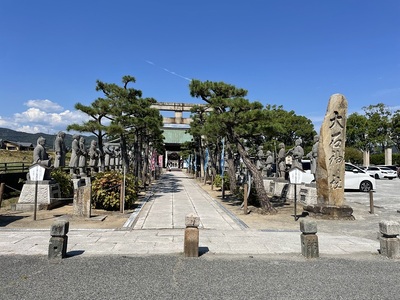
36	172
296	175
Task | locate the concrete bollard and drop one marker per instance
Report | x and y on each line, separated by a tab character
59	239
389	242
309	239
191	240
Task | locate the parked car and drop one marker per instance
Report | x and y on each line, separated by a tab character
354	178
393	167
358	179
381	172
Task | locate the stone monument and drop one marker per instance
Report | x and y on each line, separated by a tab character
331	163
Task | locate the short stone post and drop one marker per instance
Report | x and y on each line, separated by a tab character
309	239
191	242
389	242
59	239
82	201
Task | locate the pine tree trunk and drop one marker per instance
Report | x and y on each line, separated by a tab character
231	172
100	145
258	180
124	152
145	170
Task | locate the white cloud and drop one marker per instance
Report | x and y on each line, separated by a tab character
44	105
2	122
31	115
42	118
32	129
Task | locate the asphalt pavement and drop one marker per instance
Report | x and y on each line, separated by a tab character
207	277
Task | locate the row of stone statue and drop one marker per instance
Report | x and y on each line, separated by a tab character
284	158
79	155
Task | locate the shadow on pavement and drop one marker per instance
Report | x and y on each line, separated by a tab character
5	220
203	250
75	253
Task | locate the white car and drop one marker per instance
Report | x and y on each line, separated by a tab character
354	178
381	172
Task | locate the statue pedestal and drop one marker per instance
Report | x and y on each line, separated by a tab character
308	194
47	194
330	212
274	186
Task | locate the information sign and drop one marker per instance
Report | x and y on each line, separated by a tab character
36	172
296	175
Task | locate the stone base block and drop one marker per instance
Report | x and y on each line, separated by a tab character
191	242
29	207
274	186
308	194
58	247
309	245
47	194
331	212
389	247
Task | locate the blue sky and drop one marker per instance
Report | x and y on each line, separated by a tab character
288	52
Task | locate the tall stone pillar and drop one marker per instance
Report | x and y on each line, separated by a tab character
331	163
366	158
388	156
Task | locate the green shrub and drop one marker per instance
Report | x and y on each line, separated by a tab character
218	181
252	199
106	190
396	159
377	159
65	182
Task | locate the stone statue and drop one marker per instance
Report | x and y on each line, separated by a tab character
60	150
260	158
82	157
93	157
74	161
268	163
117	158
281	160
40	156
108	153
313	154
297	154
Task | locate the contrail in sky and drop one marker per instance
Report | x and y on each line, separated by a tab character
166	70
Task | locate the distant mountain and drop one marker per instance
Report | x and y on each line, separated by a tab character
18	136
